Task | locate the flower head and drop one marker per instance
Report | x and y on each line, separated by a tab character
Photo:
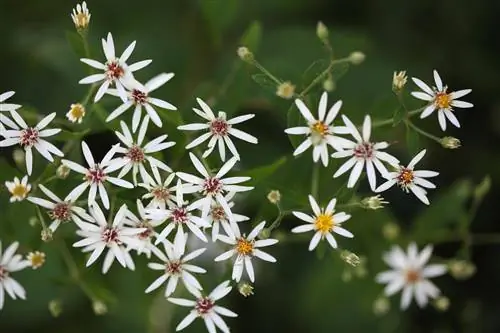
31	137
245	248
36	259
362	152
18	189
440	99
76	113
320	132
217	217
96	175
285	90
60	211
115	237
160	192
205	308
409	179
219	131
81	16
175	266
411	273
10	262
115	70
324	223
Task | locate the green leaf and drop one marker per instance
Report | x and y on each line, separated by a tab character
76	43
261	173
252	36
265	82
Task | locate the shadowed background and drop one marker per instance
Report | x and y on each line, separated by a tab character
197	40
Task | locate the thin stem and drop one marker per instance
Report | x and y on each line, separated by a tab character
266	72
40	217
278	219
421	131
315	180
321	76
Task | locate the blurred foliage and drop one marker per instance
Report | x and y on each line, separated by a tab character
197	40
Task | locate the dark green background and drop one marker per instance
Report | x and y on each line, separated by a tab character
197	40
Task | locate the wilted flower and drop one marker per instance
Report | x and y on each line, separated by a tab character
285	90
374	202
274	197
399	80
245	289
350	258
245	54
450	142
81	16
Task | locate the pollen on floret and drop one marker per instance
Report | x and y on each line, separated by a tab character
364	150
179	215
95	175
412	276
220	126
36	259
218	214
320	128
443	100
61	212
161	193
29	137
173	267
110	235
204	305
405	177
244	247
136	154
114	70
212	186
324	223
139	97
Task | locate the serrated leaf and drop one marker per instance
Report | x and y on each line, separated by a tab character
265	82
76	43
252	36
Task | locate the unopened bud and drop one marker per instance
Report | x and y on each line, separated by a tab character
245	289
274	196
441	303
350	258
81	17
399	80
381	306
245	54
36	259
33	221
329	85
357	58
264	233
100	308
374	202
461	269
46	235
62	171
450	142
482	188
285	90
322	31
346	275
55	308
18	155
390	231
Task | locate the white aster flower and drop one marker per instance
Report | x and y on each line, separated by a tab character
142	221
217	217
411	180
10	263
411	273
179	214
18	189
136	154
160	193
439	99
175	266
61	211
324	223
81	16
138	95
115	237
362	152
245	248
96	175
7	106
115	70
29	137
213	187
205	308
320	132
219	131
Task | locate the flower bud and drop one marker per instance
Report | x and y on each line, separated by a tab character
81	17
375	202
62	171
450	142
461	269
245	54
46	235
381	306
100	308
350	258
18	156
36	259
33	221
322	31
441	303
245	289
482	188
264	233
285	90
399	80
329	85
274	197
357	58
55	308
390	231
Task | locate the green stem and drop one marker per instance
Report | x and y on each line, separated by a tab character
40	217
266	72
421	131
321	76
315	180
278	219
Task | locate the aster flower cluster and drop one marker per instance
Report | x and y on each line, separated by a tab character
179	214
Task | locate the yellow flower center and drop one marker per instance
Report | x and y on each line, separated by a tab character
320	128
443	100
244	246
37	259
405	177
412	276
82	20
77	111
324	223
19	191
